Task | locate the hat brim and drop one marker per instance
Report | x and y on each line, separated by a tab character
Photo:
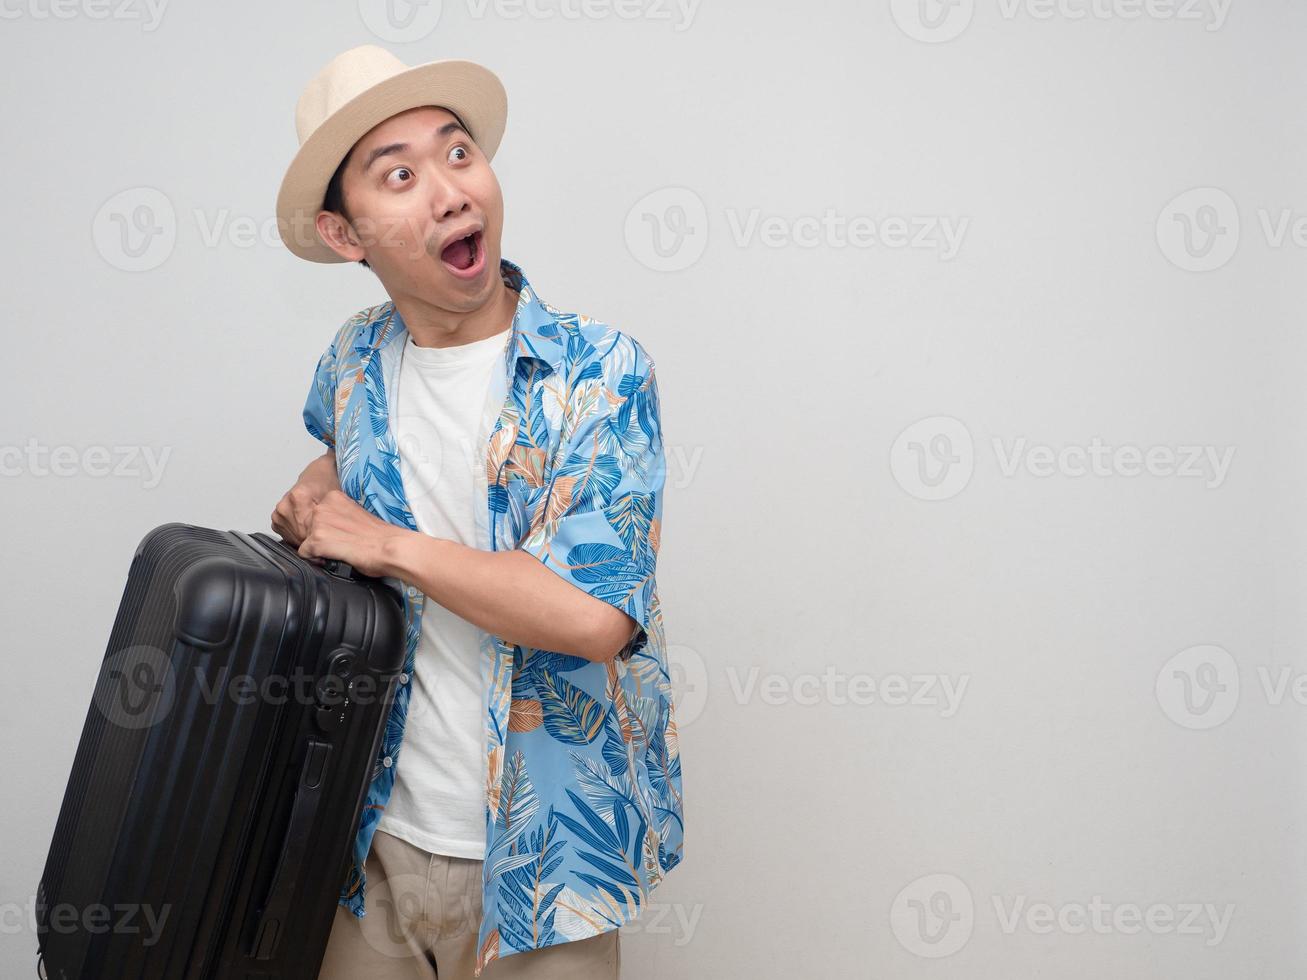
470	90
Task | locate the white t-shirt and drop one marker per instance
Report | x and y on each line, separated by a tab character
442	418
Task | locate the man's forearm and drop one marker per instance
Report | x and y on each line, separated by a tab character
323	470
510	594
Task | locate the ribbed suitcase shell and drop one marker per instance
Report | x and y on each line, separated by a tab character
196	795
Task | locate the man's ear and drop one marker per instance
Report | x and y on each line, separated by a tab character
337	233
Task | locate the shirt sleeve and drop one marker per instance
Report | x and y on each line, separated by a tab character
603	515
320	406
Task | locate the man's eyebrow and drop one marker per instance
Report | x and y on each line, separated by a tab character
392	148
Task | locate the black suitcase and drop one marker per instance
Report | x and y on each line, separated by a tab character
207	825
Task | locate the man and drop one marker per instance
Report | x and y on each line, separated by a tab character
500	462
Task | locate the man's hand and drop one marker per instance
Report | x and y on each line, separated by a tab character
339	528
290	518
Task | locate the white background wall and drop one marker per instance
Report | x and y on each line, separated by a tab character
874	447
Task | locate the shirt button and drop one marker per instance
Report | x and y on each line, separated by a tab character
387	762
403	678
412	592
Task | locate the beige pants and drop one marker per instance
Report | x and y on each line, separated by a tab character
423	913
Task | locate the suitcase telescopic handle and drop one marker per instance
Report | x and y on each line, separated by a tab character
294	851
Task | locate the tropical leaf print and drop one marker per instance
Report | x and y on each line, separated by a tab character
518	801
534	433
608	850
582	916
494	775
570	714
489	949
525	715
632	516
558	504
517	509
582	399
526	667
555	663
501	443
594	477
528	464
603	785
579	350
664	766
348	455
614	576
526	896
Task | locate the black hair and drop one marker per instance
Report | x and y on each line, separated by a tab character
334	199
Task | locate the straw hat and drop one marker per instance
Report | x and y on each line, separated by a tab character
357	90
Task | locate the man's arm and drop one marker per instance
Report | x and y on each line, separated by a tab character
290	518
583	583
509	594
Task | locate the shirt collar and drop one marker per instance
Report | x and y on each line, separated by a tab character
536	332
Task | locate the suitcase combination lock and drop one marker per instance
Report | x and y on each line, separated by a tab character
333	690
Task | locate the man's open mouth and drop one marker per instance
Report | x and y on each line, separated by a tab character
463	253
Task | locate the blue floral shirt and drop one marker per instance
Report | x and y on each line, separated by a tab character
583	771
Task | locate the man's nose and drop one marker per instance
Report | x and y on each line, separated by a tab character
447	197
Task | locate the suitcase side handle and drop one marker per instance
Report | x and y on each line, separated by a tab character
340	569
294	851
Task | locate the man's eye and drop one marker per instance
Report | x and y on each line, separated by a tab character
459	148
399	170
